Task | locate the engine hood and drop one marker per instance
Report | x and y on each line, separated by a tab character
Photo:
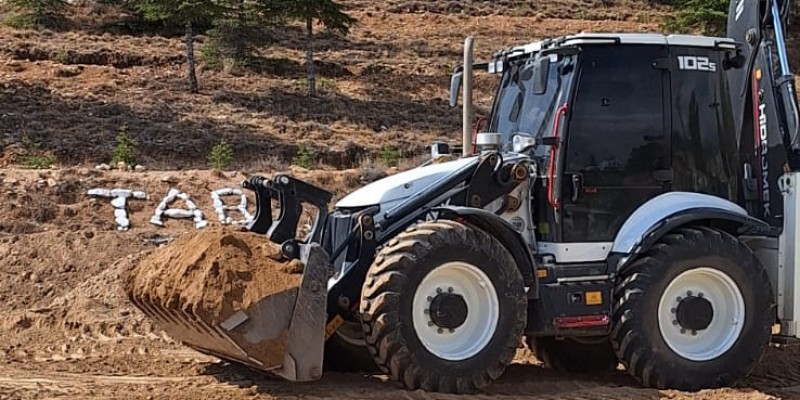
397	187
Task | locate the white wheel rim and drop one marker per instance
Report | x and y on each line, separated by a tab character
483	311
727	322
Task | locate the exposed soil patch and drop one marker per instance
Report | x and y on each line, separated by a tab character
212	274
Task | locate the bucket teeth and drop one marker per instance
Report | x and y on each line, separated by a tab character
193	331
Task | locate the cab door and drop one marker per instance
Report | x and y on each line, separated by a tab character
617	149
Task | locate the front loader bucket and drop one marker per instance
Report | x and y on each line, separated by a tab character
282	333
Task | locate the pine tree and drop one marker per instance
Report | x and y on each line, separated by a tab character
709	17
39	13
187	13
328	12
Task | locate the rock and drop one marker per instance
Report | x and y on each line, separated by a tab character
119	203
68	71
168	178
103	167
83	172
51	182
122	166
121	193
99	192
139	168
120	213
10	181
178	213
15	66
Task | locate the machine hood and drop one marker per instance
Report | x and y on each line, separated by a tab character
400	186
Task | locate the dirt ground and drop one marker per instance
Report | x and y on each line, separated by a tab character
69	331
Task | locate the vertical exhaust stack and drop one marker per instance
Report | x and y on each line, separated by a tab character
467	121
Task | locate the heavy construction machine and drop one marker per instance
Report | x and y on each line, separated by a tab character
633	199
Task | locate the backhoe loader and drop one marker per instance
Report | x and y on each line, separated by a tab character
633	199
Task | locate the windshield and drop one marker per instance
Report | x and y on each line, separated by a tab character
518	110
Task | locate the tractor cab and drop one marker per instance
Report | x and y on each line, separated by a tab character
614	120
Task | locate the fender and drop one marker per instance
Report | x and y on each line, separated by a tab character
669	211
505	233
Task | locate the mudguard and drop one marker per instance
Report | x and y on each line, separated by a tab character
669	211
505	233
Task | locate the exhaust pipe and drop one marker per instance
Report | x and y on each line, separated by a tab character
467	117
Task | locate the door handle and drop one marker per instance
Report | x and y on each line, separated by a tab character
576	186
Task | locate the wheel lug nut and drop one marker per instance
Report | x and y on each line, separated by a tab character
673	310
430	298
452	330
440	330
683	331
694	333
439	290
675	322
688	292
430	323
700	295
679	298
449	290
427	311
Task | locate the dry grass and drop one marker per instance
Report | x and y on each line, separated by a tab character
387	83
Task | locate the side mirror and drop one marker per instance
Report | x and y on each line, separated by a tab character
455	85
541	72
521	143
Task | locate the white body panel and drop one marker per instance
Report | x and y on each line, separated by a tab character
576	252
649	214
392	189
789	258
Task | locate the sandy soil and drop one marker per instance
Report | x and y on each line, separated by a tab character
70	332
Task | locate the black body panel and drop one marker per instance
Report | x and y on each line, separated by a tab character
704	149
617	150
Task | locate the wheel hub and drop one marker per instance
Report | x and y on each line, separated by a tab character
448	310
694	313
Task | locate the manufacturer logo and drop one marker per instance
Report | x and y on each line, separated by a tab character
761	139
518	224
694	63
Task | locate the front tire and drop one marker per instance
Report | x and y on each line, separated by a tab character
444	308
694	312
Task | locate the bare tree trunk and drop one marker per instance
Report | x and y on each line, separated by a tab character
240	50
312	84
190	58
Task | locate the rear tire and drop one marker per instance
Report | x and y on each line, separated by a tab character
434	277
696	311
573	356
346	351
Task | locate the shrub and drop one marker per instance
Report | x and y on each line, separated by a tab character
304	157
390	156
125	151
34	157
221	155
37	161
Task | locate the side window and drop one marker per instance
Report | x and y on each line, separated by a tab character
616	131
